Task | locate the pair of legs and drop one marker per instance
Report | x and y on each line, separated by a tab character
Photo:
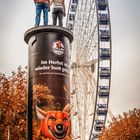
57	14
39	8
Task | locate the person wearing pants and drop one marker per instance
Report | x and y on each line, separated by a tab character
58	11
41	5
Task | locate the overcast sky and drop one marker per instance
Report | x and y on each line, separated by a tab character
17	16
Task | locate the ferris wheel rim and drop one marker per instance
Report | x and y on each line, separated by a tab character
108	68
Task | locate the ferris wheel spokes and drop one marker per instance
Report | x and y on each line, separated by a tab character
90	66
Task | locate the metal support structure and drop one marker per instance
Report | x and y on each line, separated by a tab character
90	66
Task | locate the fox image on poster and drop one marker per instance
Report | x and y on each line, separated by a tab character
54	124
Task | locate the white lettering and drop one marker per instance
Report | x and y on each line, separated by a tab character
56	62
44	62
55	68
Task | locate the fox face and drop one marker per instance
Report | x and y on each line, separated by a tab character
54	124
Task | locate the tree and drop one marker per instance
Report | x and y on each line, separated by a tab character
123	128
13	102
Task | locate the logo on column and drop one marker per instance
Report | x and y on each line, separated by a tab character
58	48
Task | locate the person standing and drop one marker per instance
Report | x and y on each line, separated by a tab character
58	11
42	5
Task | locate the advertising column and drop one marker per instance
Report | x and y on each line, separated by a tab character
48	83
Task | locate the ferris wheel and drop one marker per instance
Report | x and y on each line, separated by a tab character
89	20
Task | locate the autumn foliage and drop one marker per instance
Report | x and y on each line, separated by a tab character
44	99
13	102
126	127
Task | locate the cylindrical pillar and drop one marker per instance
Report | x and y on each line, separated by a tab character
48	83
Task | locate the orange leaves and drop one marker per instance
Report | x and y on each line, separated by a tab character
42	96
123	128
13	102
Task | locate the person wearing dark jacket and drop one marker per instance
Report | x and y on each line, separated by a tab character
42	5
58	11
